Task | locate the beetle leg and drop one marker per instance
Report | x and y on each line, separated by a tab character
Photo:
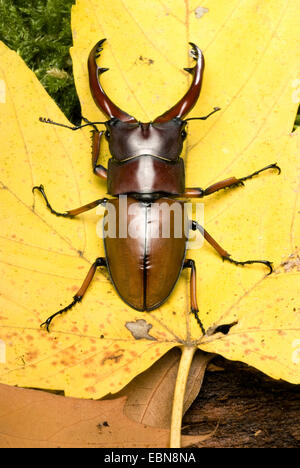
197	192
223	253
193	192
98	169
69	213
193	292
80	293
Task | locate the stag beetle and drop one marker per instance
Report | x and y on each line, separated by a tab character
146	166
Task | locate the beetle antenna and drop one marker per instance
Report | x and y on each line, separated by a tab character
76	127
216	109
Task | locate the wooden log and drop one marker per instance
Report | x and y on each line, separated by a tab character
247	408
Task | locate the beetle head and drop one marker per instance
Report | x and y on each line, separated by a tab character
129	138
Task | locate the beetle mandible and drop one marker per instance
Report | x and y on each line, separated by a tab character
146	166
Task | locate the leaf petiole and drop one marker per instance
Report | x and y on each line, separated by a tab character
179	392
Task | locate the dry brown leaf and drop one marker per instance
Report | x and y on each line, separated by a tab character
36	419
150	394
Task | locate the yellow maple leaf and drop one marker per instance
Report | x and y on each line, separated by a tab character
252	73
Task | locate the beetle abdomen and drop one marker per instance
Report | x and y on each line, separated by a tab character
145	248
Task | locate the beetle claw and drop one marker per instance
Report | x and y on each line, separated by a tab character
102	70
98	51
194	51
189	70
101	42
98	48
275	166
195	54
46	324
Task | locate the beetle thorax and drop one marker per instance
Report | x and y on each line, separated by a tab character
129	140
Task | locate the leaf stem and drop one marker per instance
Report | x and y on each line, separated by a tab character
187	354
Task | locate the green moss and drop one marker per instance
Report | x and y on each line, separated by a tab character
39	30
